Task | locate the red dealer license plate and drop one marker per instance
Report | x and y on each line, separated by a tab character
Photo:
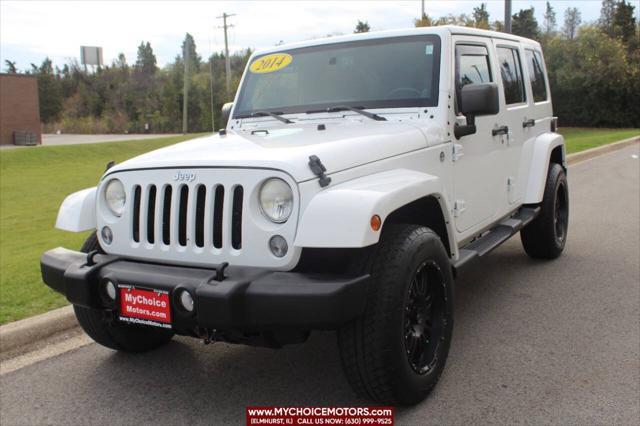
145	307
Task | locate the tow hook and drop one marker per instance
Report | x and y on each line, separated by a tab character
207	335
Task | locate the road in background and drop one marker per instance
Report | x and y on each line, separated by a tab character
534	342
64	139
69	139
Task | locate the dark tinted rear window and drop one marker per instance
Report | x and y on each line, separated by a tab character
511	72
536	75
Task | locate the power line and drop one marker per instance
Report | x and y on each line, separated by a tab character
227	60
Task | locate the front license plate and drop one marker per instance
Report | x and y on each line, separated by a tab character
146	307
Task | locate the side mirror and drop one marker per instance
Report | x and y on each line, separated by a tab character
476	99
226	111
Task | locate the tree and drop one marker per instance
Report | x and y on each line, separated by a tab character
121	62
549	20
607	12
498	26
146	61
481	16
624	23
524	23
194	58
572	20
592	82
362	27
49	91
425	21
11	66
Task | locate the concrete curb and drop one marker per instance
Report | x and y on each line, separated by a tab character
594	152
29	330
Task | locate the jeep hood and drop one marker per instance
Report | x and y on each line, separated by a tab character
339	147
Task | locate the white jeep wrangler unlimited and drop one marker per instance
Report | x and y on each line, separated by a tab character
356	175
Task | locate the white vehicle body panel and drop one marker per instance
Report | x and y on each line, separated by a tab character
78	211
538	160
349	207
341	146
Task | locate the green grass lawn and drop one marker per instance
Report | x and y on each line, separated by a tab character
34	181
579	138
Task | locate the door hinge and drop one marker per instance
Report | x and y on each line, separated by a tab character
458	208
510	181
457	152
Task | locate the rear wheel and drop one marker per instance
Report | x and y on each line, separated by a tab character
105	330
396	351
546	236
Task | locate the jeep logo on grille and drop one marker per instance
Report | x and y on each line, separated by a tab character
184	176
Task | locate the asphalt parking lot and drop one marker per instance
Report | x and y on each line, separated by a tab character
534	342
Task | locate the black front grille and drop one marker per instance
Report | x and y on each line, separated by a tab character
197	209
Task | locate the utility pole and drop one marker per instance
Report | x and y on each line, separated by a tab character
213	122
227	60
422	16
185	98
507	16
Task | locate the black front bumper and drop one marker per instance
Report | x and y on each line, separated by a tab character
247	299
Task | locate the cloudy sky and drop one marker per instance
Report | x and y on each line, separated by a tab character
32	30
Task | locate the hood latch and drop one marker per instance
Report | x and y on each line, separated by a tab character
318	169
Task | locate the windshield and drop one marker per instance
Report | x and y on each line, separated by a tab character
379	73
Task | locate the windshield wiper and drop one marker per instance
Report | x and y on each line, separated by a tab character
359	110
276	115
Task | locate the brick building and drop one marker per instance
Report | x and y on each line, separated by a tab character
19	109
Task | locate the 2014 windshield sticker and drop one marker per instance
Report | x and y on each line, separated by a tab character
271	63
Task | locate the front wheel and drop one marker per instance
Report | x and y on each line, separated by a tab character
396	351
105	330
546	235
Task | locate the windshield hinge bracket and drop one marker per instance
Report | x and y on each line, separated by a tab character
318	169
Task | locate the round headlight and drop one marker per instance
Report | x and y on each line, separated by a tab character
276	200
115	197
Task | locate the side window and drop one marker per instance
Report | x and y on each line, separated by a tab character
511	72
472	66
536	75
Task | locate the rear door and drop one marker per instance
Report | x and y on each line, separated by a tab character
540	111
514	119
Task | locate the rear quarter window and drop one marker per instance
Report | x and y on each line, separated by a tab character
536	75
511	73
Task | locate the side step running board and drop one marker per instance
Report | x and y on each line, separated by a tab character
495	236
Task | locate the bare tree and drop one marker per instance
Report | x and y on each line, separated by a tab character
572	20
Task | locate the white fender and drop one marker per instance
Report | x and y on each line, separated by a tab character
78	211
543	146
340	216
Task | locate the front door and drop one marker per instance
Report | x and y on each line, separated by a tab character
477	157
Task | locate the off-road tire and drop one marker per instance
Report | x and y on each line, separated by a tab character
105	330
373	347
546	236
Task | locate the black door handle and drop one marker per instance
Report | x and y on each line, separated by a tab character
528	123
502	130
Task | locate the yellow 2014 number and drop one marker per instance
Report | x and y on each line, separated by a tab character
270	63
